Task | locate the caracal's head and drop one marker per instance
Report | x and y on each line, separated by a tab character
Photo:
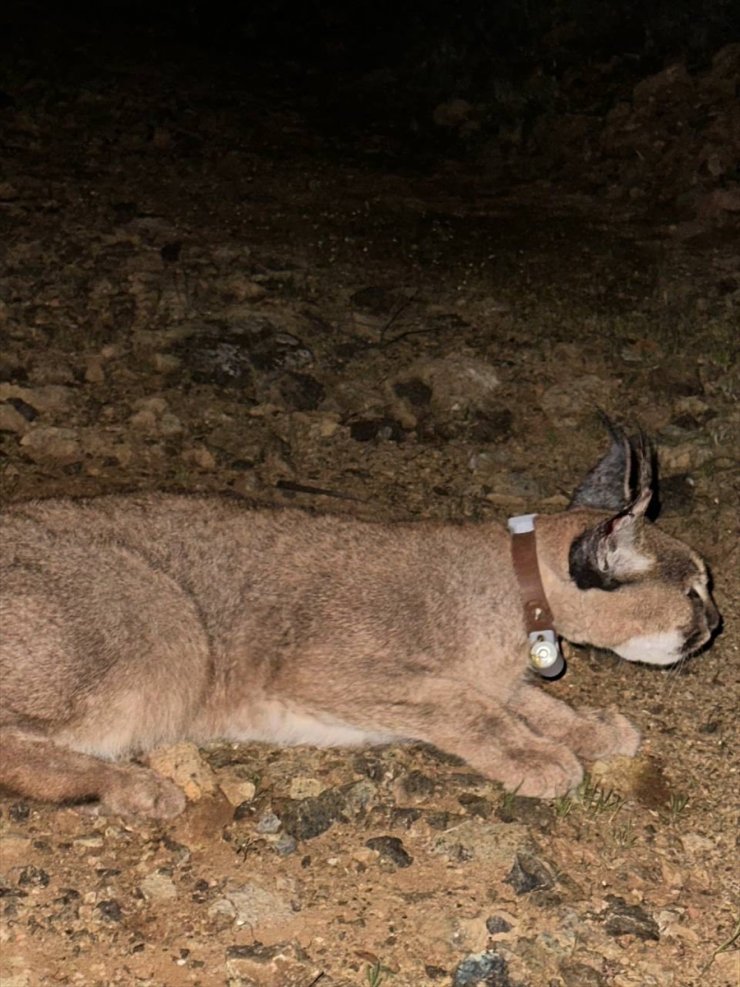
643	594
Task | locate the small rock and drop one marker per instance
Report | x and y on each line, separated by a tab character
12	420
435	972
303	788
158	886
268	823
254	906
183	764
285	844
415	784
486	968
110	910
237	790
45	442
34	877
391	849
621	919
309	817
200	456
497	924
281	965
19	812
148	413
358	797
94	372
404	817
529	873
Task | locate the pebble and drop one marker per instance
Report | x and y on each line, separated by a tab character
200	456
268	823
285	844
358	798
487	968
280	965
621	919
183	764
32	876
110	910
237	790
414	784
529	873
94	371
391	850
302	787
158	886
306	818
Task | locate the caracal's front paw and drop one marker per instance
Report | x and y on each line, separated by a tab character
544	773
601	733
142	792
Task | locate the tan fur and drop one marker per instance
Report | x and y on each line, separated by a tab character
128	622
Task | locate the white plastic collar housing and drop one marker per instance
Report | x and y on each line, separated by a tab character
521	524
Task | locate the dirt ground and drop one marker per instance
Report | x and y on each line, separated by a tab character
203	290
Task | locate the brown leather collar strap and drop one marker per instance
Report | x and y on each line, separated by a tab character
537	613
544	651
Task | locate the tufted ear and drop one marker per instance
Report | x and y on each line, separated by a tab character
623	476
609	553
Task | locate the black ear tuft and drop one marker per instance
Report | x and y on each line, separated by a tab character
583	560
623	475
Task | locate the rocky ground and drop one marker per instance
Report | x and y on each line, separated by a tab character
201	290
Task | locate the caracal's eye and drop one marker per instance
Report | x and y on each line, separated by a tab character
693	593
